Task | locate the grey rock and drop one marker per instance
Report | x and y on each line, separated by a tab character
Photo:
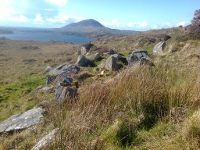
83	50
120	58
117	56
111	63
111	52
22	121
94	57
50	79
82	61
48	68
86	48
65	94
64	70
159	48
49	138
47	89
137	56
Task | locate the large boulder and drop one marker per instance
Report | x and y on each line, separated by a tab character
137	56
22	121
85	48
159	48
82	61
48	139
64	70
65	94
111	63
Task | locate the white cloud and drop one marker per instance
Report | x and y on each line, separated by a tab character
55	20
155	26
38	18
183	23
166	24
6	13
117	24
47	9
114	23
63	19
57	2
137	24
21	18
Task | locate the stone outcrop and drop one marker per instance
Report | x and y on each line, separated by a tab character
111	63
65	94
138	56
22	121
64	70
85	48
159	48
82	61
48	139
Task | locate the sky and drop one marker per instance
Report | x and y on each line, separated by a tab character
137	15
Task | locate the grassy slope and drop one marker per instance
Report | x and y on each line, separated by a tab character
130	110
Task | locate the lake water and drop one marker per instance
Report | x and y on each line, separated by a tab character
45	37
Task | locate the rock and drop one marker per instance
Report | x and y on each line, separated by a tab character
159	48
137	56
64	70
48	68
97	69
49	79
85	48
120	58
22	121
82	61
47	89
49	138
111	52
117	56
111	63
65	94
93	57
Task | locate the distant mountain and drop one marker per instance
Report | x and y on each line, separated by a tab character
92	26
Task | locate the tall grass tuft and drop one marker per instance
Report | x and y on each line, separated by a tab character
142	94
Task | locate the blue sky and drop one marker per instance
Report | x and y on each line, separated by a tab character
117	14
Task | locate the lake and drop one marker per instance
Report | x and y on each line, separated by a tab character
45	37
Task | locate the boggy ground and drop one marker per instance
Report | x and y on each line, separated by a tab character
138	107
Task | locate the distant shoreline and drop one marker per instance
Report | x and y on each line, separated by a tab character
43	36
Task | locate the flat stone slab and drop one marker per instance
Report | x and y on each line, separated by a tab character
22	121
65	68
45	140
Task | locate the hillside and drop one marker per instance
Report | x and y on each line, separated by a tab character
143	106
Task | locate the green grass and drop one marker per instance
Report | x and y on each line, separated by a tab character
14	97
